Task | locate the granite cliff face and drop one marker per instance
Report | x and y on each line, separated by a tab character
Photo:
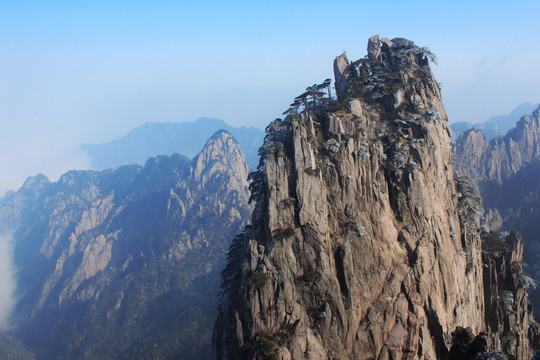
125	263
363	243
507	173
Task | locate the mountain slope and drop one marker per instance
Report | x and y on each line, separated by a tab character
364	245
153	139
125	263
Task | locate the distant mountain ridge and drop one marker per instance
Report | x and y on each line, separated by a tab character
166	138
495	126
507	172
125	263
500	158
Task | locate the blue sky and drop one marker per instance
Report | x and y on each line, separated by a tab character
90	71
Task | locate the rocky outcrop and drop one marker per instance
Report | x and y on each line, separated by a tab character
374	48
126	263
508	312
341	73
363	244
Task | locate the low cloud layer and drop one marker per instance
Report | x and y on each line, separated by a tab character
7	283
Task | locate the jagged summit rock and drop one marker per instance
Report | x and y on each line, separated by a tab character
220	151
364	245
374	47
386	41
341	73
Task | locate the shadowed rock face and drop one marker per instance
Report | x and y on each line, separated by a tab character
126	263
363	245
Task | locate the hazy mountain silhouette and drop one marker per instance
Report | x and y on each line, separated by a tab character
166	138
495	126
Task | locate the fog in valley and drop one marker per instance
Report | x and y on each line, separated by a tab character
7	283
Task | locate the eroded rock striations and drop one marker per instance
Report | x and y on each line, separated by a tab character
126	263
363	244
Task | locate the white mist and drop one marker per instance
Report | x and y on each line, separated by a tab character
7	283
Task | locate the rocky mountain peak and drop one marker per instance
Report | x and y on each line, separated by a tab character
220	153
36	181
13	203
363	244
221	145
526	136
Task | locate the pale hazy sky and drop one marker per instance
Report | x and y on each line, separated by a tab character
89	71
